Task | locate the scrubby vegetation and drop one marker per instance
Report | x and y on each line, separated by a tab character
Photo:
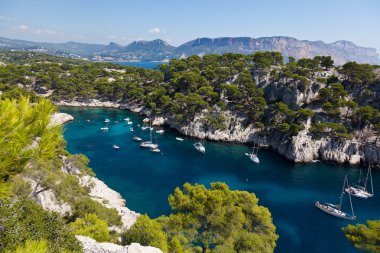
205	219
270	94
31	151
364	237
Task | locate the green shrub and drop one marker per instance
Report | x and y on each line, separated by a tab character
24	220
86	205
147	232
32	246
91	226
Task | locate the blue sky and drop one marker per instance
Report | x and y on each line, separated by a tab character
178	21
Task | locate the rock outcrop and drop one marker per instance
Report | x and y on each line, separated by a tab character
100	192
60	118
300	148
91	246
47	199
110	198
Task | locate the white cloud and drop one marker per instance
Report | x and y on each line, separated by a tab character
23	27
154	30
5	18
39	31
111	37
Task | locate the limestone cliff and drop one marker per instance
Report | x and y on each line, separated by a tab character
91	246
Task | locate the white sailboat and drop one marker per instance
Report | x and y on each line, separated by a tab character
336	210
104	128
106	120
149	144
253	156
199	146
360	191
179	139
114	146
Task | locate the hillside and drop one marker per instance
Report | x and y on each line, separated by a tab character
159	50
305	110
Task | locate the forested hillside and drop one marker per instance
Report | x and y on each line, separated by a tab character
223	94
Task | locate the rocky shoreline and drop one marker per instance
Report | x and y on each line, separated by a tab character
299	149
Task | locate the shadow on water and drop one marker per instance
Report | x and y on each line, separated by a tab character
146	179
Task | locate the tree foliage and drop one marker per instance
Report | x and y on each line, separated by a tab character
365	237
219	218
147	232
91	226
25	220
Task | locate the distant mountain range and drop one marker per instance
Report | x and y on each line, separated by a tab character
159	50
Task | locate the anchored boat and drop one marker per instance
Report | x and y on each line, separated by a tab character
199	146
253	156
360	191
336	210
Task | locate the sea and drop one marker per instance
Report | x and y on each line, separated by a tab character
147	65
146	179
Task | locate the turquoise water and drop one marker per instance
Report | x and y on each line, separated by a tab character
146	179
147	65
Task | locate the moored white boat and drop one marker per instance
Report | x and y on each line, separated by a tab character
106	120
155	150
179	139
336	210
360	191
136	138
199	146
104	128
114	146
161	131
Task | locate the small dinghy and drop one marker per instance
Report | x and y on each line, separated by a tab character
136	138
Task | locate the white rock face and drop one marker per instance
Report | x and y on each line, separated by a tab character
90	103
158	121
91	246
110	198
301	148
59	118
47	200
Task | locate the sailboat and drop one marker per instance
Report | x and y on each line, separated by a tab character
199	146
359	190
336	210
253	156
149	144
114	146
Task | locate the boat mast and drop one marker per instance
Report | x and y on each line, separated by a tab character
370	176
341	195
352	207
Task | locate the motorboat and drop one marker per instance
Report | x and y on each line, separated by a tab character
199	146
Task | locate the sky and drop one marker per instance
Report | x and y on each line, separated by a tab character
178	21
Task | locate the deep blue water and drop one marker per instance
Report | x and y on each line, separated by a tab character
147	65
146	179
